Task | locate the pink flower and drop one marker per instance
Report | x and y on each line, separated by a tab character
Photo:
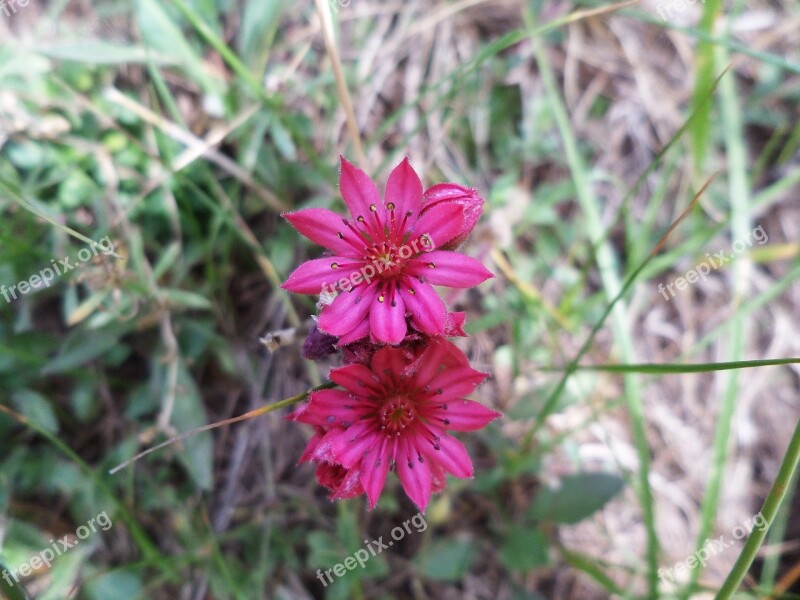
388	256
452	193
343	483
395	414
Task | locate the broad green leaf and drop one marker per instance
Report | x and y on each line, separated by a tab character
578	497
119	585
524	548
446	559
189	412
36	408
81	346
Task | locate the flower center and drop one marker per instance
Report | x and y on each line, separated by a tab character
386	259
396	414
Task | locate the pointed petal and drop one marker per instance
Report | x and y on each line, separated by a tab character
454	383
428	312
439	354
336	408
355	378
441	223
451	193
454	326
350	445
347	310
388	362
359	193
404	191
464	415
451	454
313	275
387	316
414	474
374	471
311	447
325	227
359	332
323	451
349	486
451	269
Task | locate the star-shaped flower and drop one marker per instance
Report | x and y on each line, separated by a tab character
387	256
395	414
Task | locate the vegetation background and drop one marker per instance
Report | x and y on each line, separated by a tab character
181	129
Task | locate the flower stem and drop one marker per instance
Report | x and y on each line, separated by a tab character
768	511
246	416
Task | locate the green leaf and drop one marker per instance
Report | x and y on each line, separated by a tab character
260	20
446	560
524	548
323	550
186	299
97	52
36	408
11	592
116	584
81	346
658	369
168	258
579	496
161	33
189	412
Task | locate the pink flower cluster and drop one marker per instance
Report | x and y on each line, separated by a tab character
404	384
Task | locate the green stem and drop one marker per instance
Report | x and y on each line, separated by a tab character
768	511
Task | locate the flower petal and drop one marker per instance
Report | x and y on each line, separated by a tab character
387	316
350	445
428	312
388	362
311	448
454	327
314	275
356	378
343	483
451	454
404	191
347	310
438	354
360	194
453	193
450	269
464	415
414	473
454	382
374	469
441	223
325	227
359	332
334	408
